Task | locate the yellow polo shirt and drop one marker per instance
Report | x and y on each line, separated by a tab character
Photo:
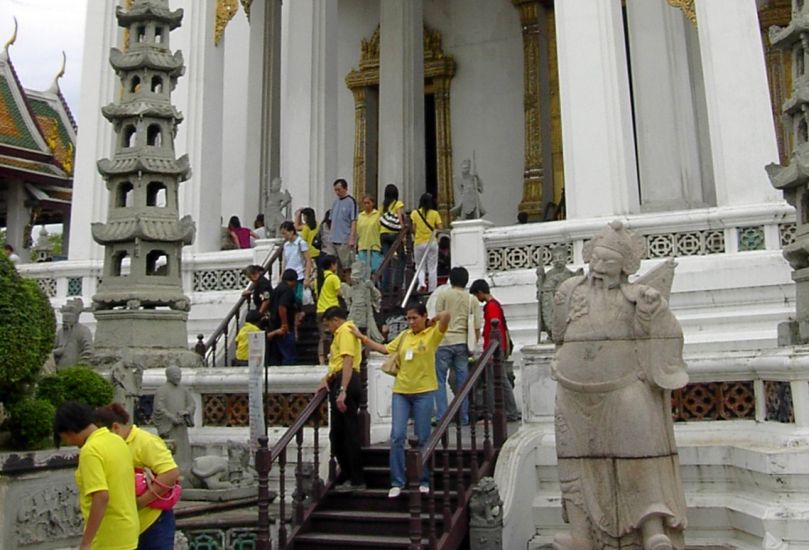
308	235
416	360
105	464
242	347
345	343
328	294
368	230
422	232
149	451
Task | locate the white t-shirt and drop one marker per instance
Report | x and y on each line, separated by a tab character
293	256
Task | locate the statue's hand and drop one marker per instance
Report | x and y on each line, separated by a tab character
649	301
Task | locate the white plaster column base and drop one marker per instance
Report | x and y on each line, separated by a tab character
467	247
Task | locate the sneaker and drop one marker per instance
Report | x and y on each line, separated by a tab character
394	492
344	487
424	489
359	487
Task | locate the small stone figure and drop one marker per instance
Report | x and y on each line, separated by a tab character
469	206
275	207
43	249
74	341
363	299
619	355
173	414
485	516
217	472
547	283
127	382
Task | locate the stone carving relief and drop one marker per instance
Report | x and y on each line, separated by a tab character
47	515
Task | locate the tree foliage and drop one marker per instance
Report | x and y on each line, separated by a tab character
79	383
27	328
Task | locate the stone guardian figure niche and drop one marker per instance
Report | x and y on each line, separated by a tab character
619	355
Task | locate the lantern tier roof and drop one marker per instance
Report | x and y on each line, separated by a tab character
155	165
149	10
141	226
157	60
115	111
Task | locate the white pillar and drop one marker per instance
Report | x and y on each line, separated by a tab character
309	116
401	98
600	173
740	120
199	93
17	217
667	144
467	247
236	190
95	140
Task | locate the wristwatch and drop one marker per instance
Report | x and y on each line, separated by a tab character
342	390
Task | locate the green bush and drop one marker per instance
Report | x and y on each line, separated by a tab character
79	383
31	422
27	327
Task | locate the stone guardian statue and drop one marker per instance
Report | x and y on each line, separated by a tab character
74	341
276	205
469	206
619	355
173	414
547	283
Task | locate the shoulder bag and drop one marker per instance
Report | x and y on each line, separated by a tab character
390	220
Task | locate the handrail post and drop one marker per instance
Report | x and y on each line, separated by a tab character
263	465
500	428
364	418
413	479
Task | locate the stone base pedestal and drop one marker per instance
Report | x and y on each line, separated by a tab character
219	495
148	328
538	388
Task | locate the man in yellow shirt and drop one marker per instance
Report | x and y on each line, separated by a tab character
342	381
105	478
328	297
251	322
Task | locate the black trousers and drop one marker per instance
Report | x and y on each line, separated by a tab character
344	434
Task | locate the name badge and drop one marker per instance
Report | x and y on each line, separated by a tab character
409	355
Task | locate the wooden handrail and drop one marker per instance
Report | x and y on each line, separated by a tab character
307	413
397	244
234	311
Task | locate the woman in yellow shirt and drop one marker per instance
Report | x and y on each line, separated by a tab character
328	296
391	222
368	245
148	451
425	220
307	227
414	386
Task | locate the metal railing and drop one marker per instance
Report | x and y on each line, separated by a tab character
218	344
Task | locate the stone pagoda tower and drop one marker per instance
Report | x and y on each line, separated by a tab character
140	306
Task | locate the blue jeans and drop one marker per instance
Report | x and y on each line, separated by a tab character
420	407
371	258
160	534
455	356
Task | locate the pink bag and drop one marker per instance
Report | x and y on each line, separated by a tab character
144	479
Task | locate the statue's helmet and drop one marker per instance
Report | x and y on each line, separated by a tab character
616	237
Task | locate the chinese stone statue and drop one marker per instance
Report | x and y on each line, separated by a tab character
469	206
173	414
74	341
363	299
547	283
275	207
126	375
619	355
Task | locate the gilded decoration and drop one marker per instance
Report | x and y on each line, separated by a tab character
687	7
439	70
246	7
225	10
542	197
779	73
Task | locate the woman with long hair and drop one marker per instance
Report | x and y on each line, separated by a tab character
425	220
391	223
414	387
307	226
148	451
240	235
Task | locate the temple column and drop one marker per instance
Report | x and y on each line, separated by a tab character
309	118
201	95
665	123
96	138
742	134
17	217
598	141
401	98
537	130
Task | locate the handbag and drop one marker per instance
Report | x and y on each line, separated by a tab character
391	364
317	240
390	220
144	479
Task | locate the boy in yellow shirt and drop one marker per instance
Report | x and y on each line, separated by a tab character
105	478
342	381
251	322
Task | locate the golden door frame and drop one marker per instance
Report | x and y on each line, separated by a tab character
438	72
